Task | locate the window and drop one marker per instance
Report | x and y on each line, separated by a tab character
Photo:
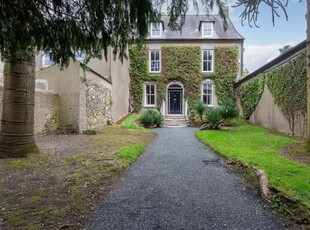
155	29
207	29
150	94
80	56
46	60
207	93
207	60
154	58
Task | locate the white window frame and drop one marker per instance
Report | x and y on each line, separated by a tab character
150	61
154	25
212	60
46	57
210	83
80	56
205	31
149	94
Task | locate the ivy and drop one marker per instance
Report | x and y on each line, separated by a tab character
250	94
226	64
183	64
288	85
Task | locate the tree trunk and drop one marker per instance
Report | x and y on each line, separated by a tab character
17	123
308	70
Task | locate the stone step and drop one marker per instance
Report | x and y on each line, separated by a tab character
175	122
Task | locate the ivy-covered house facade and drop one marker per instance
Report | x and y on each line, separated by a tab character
176	68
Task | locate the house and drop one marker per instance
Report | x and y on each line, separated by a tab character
176	68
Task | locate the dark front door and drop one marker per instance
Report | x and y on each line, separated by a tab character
175	101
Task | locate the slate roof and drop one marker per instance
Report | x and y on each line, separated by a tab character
190	30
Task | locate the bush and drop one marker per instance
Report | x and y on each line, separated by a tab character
228	109
217	117
213	119
200	109
151	118
158	120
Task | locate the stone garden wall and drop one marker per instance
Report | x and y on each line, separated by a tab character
96	101
46	110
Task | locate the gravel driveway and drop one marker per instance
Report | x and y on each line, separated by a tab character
179	184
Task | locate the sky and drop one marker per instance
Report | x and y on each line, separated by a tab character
262	44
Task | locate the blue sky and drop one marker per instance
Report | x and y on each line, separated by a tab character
262	44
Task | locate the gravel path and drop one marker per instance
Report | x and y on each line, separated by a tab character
179	184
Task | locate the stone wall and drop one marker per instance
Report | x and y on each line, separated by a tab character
98	104
269	115
84	96
46	110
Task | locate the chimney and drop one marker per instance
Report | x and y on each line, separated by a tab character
226	11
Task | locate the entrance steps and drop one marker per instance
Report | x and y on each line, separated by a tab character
175	121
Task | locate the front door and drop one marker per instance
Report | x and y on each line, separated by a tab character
175	101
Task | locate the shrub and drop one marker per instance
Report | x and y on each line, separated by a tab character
228	109
213	119
217	117
158	120
151	118
199	109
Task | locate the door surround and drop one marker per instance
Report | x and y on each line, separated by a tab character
175	87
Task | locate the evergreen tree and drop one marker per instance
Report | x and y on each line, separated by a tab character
63	27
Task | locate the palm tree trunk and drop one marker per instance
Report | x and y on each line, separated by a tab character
17	123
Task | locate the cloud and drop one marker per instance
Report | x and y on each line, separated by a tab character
255	56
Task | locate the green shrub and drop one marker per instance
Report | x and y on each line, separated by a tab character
199	109
213	119
158	120
217	117
228	109
151	118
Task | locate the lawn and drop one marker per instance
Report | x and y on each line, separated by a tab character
260	148
60	187
131	123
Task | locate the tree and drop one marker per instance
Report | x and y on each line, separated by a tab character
63	27
250	14
284	49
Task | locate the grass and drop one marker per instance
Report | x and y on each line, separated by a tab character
130	123
50	190
260	148
130	153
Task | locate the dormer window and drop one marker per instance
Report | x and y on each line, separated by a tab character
156	29
207	29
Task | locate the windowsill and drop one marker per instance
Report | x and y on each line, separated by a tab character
158	36
208	71
149	105
155	72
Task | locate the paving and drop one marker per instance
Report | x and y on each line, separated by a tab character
180	184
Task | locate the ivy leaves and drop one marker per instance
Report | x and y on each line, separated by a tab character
250	94
288	85
183	64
